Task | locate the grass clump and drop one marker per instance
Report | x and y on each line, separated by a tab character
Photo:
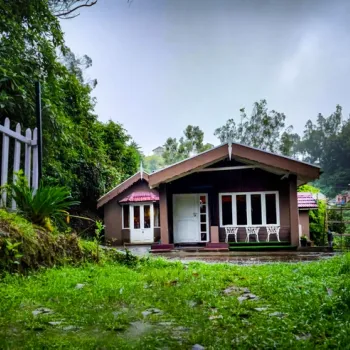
161	304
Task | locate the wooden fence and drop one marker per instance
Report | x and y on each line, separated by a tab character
13	148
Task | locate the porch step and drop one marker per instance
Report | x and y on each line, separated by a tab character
256	248
257	244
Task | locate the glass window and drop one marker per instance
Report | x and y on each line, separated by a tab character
256	209
137	216
126	216
226	205
202	204
271	212
156	214
241	208
147	216
203	227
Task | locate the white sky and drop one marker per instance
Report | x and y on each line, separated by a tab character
164	64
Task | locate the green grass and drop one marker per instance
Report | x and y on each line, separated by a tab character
115	295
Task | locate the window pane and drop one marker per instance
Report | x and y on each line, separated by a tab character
126	216
203	217
241	209
226	204
271	215
203	236
147	216
137	216
156	214
256	209
204	227
202	204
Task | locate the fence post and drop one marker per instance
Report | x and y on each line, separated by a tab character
16	160
4	161
27	156
35	179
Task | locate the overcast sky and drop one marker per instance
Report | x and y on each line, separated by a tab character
164	64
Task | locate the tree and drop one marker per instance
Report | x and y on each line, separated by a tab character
79	152
263	129
153	163
188	145
67	9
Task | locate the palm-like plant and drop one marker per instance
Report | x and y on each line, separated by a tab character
46	206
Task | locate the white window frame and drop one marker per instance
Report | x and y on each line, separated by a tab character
159	215
207	217
248	201
123	227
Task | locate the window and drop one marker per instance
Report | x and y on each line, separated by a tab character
126	216
255	207
241	211
249	209
137	216
156	214
271	215
226	205
203	209
147	216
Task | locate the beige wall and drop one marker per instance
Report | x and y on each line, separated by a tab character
114	233
304	222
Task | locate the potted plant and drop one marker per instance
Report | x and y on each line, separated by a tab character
303	241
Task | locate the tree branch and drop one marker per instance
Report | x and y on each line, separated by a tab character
63	15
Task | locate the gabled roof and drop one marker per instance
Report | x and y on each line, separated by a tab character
306	201
121	188
266	160
140	197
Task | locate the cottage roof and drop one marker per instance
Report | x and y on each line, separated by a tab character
141	175
306	201
140	197
268	161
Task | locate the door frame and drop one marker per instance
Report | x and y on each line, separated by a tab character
142	220
198	216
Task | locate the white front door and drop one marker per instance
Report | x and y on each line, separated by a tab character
141	228
187	218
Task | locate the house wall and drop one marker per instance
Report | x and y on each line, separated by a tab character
304	222
247	180
114	233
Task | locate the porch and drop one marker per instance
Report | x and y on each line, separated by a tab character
201	208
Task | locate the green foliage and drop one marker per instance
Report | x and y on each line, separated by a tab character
25	247
188	145
309	299
87	156
46	206
308	188
153	163
317	223
263	129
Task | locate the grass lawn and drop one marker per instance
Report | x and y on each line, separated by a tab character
300	306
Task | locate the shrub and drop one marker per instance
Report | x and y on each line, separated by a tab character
46	206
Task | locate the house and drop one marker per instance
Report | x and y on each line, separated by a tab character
197	200
158	151
306	202
342	198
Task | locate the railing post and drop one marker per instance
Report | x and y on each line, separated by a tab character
5	162
35	179
16	160
27	156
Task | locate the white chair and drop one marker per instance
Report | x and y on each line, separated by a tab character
231	230
273	230
252	230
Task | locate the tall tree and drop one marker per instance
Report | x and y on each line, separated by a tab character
188	145
262	129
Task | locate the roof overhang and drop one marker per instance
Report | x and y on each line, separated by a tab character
267	161
121	188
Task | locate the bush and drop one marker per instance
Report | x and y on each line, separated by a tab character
24	246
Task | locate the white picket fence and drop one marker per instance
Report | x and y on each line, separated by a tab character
30	166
